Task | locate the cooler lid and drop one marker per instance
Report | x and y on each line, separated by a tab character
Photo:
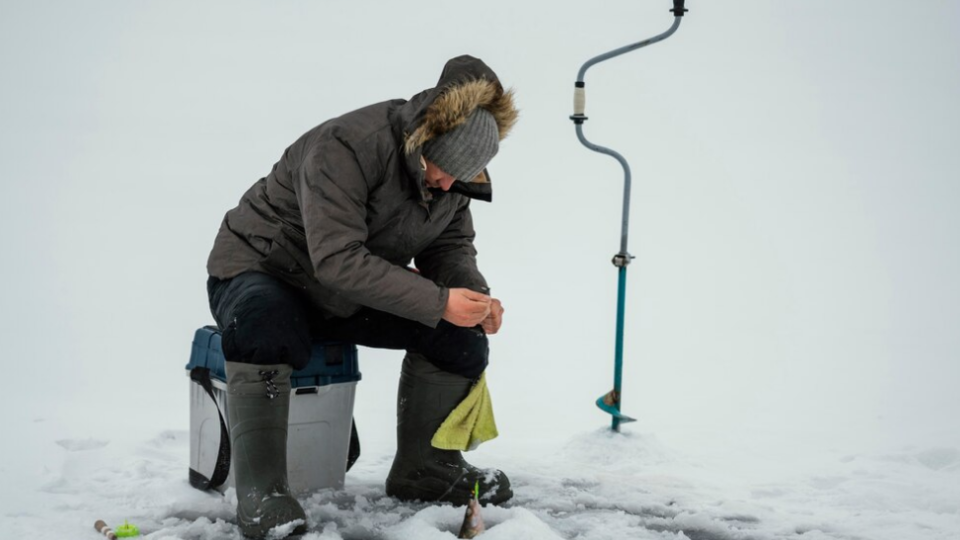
332	362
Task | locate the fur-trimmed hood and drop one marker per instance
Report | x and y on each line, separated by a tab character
456	104
465	85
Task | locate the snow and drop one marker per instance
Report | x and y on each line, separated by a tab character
597	485
284	530
791	336
79	445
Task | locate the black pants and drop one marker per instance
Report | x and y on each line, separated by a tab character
266	321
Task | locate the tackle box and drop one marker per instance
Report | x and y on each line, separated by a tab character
322	440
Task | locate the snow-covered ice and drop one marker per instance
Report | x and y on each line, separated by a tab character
792	315
598	485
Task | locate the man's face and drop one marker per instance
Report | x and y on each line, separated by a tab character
435	177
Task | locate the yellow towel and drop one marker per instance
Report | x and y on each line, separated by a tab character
470	423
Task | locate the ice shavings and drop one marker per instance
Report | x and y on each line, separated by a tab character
279	532
597	486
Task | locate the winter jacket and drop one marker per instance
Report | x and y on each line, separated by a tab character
346	209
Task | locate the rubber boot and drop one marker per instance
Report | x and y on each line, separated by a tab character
258	406
420	471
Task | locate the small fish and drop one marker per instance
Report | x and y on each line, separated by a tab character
473	521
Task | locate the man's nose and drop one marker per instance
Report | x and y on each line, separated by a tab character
446	182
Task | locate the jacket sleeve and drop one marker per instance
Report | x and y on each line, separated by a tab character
451	259
332	193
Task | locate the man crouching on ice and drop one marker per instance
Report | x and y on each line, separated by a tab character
319	249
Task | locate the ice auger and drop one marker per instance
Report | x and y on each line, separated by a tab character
611	401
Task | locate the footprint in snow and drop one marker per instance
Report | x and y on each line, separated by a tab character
937	459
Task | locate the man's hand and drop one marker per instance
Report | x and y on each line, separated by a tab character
466	308
491	324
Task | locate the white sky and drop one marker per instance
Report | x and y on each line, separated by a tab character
794	211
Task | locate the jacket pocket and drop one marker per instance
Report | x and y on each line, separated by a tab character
289	260
288	253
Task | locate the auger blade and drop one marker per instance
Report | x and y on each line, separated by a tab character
609	403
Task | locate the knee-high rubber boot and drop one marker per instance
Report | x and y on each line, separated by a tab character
420	471
258	405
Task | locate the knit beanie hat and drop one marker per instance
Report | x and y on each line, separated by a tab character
464	152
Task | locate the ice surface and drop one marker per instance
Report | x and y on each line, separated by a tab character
599	485
791	335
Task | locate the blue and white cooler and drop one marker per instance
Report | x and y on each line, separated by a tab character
322	442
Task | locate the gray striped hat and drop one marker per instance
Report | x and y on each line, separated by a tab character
464	152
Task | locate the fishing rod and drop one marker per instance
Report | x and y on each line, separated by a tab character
611	401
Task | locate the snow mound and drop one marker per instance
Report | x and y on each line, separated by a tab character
81	445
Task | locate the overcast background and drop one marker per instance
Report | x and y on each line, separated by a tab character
794	207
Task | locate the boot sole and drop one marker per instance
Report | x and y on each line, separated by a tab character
411	491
